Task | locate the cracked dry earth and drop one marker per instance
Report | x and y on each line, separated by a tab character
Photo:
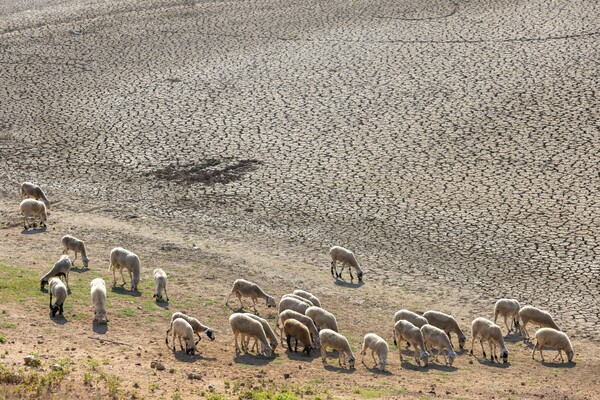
454	146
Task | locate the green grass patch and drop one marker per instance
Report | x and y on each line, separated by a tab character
30	382
127	312
18	284
371	393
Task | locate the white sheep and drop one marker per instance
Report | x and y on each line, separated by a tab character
33	208
242	325
346	257
60	269
307	321
436	338
411	317
337	342
196	326
182	329
309	296
72	243
323	318
297	330
289	303
554	338
268	331
487	330
57	289
124	259
243	288
508	308
98	292
447	323
378	346
407	331
160	279
299	298
29	189
542	318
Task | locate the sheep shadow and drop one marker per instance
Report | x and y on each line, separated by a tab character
413	367
441	367
162	304
250	359
488	363
514	338
182	357
100	329
338	369
554	364
58	319
34	231
298	356
351	285
375	370
121	290
79	269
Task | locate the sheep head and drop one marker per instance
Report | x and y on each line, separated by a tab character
570	355
85	262
210	333
271	301
461	342
425	358
351	361
189	350
504	355
360	275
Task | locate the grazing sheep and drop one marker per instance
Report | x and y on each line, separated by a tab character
447	323
124	259
298	331
337	342
309	296
268	331
60	268
182	329
29	189
33	208
411	317
307	321
98	292
323	318
58	290
377	346
299	298
160	278
508	308
407	331
196	326
554	338
244	288
242	324
72	243
290	303
437	338
346	257
542	318
487	330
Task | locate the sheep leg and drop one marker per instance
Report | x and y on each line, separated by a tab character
50	300
61	309
296	346
237	348
351	277
332	269
122	277
288	339
542	353
173	338
559	355
506	323
472	344
524	332
180	344
324	354
254	305
130	277
75	257
166	295
199	338
533	352
482	349
493	351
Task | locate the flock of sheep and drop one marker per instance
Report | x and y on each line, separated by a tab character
301	316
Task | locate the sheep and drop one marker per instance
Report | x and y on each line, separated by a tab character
268	331
124	259
555	338
336	341
437	338
309	296
346	257
58	290
298	331
447	323
196	326
299	298
98	292
290	303
160	278
377	345
182	329
72	243
61	268
242	324
508	308
411	317
33	208
531	314
244	288
409	332
29	189
487	330
312	328
323	318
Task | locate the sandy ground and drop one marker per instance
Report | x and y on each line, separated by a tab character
453	146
